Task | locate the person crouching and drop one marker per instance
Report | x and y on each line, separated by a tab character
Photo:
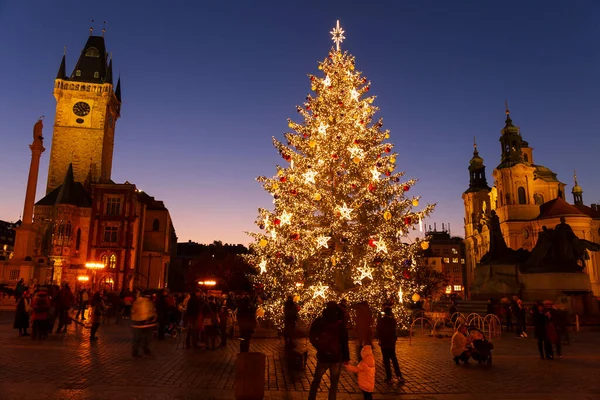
459	347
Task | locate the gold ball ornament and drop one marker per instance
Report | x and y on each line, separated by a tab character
292	178
263	242
387	215
356	160
425	245
313	88
296	298
351	67
291	125
317	196
275	186
333	260
393	160
416	297
388	272
312	143
320	67
415	203
260	312
330	118
387	135
279	173
370	101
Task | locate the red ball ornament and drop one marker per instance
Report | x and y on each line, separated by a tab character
307	108
406	188
407	220
305	135
405	274
277	221
353	186
371	187
372	242
293	192
387	173
367	89
356	141
282	179
364	80
388	149
295	236
340	104
334	156
312	78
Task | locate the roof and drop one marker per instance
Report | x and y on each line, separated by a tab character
62	70
70	192
92	60
588	210
544	173
558	208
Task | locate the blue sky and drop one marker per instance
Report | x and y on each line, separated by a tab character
206	84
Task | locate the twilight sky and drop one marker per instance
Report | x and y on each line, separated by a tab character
206	84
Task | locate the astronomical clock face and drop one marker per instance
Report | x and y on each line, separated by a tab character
81	109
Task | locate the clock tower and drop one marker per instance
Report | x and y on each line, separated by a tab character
87	108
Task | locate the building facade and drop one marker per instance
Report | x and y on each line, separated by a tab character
85	219
526	197
446	254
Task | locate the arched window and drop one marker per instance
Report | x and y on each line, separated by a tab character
78	239
538	198
155	225
500	198
522	197
112	261
68	230
92	52
104	259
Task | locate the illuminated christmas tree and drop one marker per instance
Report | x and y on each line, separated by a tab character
342	213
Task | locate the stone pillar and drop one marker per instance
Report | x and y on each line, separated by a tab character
25	234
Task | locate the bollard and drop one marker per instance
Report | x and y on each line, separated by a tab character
577	323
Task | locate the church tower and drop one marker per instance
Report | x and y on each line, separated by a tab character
577	192
477	203
87	108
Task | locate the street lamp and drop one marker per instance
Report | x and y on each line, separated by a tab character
94	266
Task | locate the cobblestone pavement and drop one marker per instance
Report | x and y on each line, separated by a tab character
69	367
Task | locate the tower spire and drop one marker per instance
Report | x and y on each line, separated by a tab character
104	29
577	191
477	179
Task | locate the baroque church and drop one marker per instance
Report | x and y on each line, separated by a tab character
85	218
526	197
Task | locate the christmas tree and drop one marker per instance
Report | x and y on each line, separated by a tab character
342	213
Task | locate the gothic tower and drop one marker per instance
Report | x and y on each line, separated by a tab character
477	204
87	108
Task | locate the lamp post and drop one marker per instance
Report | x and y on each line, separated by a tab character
94	266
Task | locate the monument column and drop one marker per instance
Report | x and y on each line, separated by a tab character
25	234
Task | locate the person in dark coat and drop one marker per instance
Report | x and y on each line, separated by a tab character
40	312
223	317
193	315
330	337
362	328
290	317
210	317
386	331
540	319
246	316
97	312
19	289
22	314
66	299
162	313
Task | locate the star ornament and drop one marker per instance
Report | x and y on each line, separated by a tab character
365	272
381	246
309	176
322	241
375	174
356	152
345	211
337	35
263	266
322	129
285	218
319	291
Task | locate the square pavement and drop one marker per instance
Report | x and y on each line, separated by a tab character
68	366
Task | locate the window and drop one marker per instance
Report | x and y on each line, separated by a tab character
14	274
446	260
104	259
113	206
112	261
111	234
96	74
78	239
454	251
155	225
78	72
538	198
92	52
462	260
521	195
448	289
457	288
455	261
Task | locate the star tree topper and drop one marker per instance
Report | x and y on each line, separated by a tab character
337	35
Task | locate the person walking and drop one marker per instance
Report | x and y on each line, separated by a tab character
362	329
162	313
519	313
540	319
246	316
290	317
82	299
192	313
366	372
386	331
210	318
64	303
143	319
22	314
97	305
40	311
